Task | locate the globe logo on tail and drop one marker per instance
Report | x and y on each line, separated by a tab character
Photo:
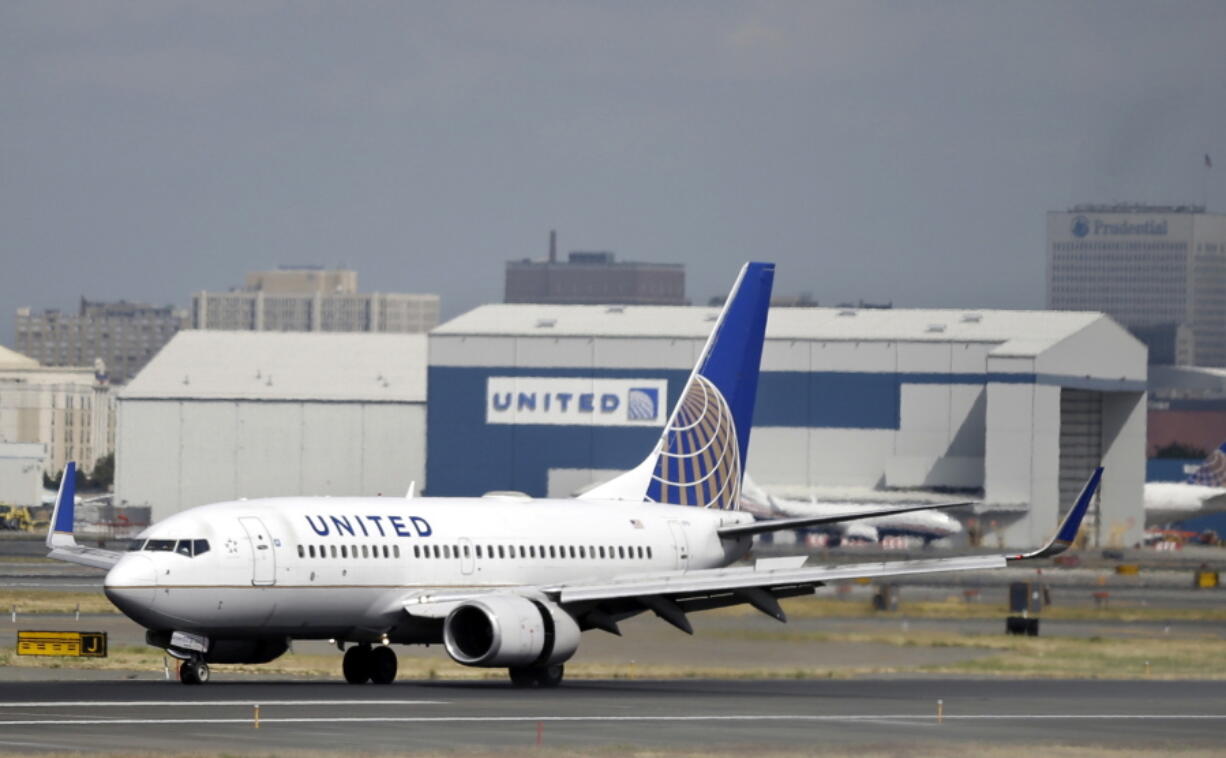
1212	473
699	463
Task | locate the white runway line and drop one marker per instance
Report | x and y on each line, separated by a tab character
206	703
910	718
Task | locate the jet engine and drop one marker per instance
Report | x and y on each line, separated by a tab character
509	630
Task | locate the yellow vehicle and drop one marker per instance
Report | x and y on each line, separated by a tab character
18	518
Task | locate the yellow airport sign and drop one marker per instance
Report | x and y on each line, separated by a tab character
73	644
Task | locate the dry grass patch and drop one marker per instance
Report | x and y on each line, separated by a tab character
41	601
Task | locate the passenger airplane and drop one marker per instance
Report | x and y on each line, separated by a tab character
1202	494
928	523
500	582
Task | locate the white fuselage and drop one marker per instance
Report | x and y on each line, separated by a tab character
347	567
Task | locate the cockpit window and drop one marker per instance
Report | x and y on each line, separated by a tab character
188	548
135	545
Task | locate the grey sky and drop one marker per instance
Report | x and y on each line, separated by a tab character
901	152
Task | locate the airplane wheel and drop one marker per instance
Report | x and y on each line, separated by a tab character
549	676
193	672
382	665
356	665
537	676
521	676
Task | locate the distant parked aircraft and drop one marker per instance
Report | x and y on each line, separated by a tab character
925	521
1203	493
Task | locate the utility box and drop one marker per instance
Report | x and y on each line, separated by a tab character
1025	598
1205	579
885	598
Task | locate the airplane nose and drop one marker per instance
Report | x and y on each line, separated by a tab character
132	584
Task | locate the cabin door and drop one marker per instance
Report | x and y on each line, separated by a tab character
263	558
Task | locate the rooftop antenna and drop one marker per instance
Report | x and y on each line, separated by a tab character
553	245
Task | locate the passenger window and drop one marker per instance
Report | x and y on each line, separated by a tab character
323	551
447	551
437	552
365	554
385	552
334	551
572	551
640	552
300	552
396	550
478	548
621	552
501	554
466	551
649	551
523	552
582	553
417	551
354	551
344	551
532	551
602	551
311	551
552	552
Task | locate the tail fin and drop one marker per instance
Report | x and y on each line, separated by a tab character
1212	473
700	457
60	533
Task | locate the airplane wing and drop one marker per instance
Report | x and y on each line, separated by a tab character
774	525
60	540
672	595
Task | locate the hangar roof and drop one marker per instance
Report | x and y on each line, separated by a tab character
337	367
10	359
1024	333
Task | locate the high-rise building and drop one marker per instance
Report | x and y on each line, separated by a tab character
123	335
593	278
296	299
1158	270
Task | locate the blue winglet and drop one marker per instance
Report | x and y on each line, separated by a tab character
1067	533
62	518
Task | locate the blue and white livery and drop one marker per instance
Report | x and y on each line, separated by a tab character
503	580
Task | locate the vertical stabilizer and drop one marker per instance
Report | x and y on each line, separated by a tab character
60	533
700	457
1212	473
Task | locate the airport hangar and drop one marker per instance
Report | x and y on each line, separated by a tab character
1016	405
222	415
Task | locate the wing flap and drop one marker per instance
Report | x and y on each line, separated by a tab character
715	581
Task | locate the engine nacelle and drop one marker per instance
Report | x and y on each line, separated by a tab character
509	630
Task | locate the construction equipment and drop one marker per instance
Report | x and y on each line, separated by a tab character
19	518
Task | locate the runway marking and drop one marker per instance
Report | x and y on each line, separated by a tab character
909	718
173	703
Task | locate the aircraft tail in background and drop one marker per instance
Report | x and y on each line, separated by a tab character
1212	473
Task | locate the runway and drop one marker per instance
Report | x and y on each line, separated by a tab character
685	714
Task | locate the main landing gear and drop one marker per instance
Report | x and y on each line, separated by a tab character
363	664
537	676
193	671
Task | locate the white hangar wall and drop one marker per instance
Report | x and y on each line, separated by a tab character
329	414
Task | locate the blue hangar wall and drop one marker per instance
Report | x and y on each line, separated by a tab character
467	455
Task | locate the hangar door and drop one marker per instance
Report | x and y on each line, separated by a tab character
1081	442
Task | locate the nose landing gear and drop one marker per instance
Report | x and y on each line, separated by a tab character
193	671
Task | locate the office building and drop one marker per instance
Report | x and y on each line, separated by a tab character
123	335
312	300
1158	270
592	278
